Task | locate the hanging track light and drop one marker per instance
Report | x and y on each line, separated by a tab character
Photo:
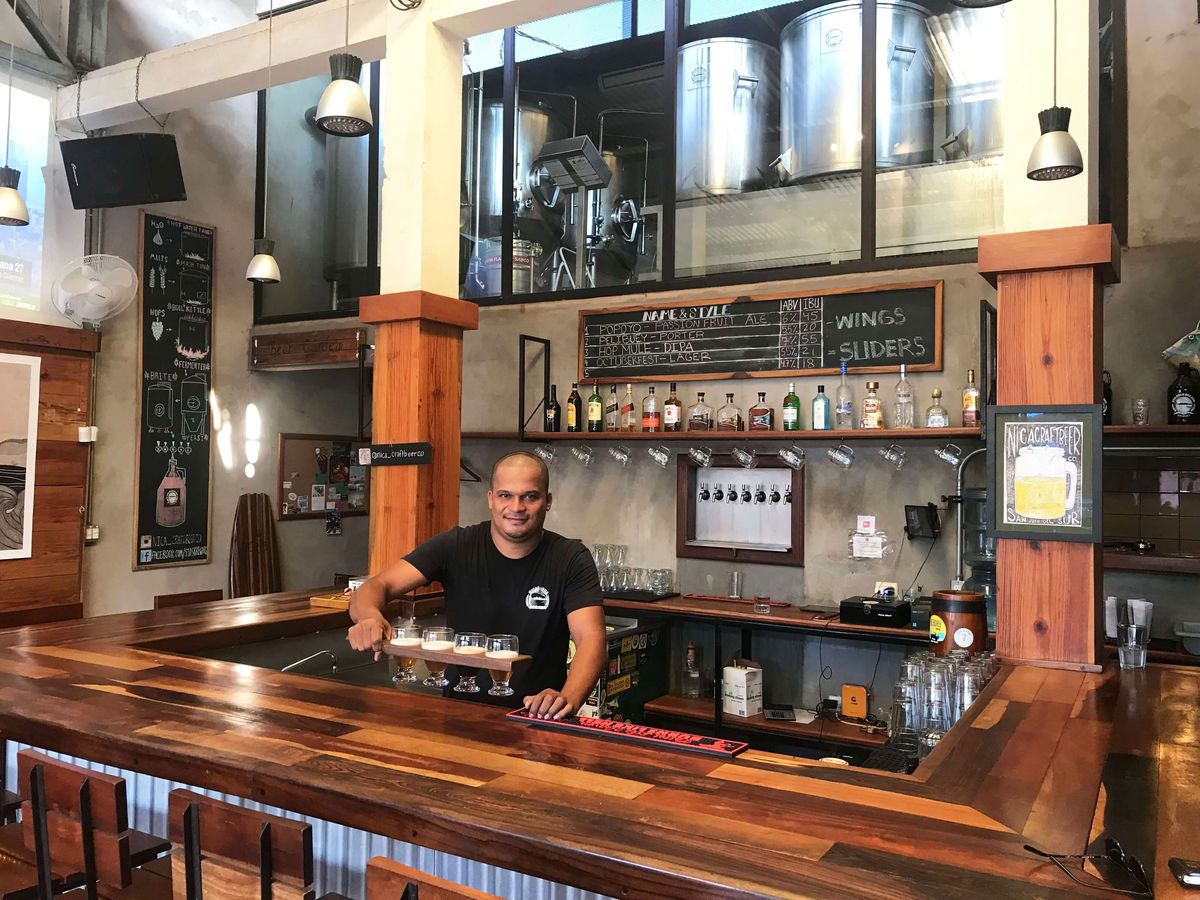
263	268
344	110
12	208
1055	155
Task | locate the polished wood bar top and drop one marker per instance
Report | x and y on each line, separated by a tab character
1046	756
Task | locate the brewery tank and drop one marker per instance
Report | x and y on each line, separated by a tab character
821	90
536	124
728	100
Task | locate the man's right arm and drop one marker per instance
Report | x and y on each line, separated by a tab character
371	627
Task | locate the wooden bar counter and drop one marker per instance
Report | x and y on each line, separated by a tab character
1046	756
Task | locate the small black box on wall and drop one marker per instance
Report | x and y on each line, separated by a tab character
122	170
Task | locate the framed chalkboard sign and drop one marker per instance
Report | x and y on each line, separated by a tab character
871	329
172	487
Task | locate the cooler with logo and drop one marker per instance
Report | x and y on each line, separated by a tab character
638	665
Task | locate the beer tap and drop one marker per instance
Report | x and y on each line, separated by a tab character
775	494
718	495
760	496
704	495
746	495
731	495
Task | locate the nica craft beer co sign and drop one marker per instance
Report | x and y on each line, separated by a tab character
418	454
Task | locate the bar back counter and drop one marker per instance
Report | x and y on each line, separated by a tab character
1049	757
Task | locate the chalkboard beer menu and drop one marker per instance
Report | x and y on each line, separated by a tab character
870	329
175	337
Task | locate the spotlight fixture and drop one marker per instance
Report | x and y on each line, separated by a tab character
263	268
344	110
12	208
1055	155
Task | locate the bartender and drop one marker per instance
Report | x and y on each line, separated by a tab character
507	575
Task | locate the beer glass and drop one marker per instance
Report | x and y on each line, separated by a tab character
546	454
842	455
501	646
660	454
441	639
470	644
701	456
793	457
894	454
406	635
951	454
746	457
620	453
583	453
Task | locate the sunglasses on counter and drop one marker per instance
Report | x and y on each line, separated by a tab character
1114	855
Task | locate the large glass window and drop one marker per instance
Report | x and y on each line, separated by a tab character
21	247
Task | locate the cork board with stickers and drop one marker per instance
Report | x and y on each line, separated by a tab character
320	472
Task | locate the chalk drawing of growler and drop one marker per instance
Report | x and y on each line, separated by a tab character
171	507
1044	482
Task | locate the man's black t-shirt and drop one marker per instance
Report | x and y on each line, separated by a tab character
529	597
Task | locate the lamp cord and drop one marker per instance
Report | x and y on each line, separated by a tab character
347	26
267	113
1054	80
8	110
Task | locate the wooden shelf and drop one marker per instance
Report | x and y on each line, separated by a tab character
818	730
1126	561
491	436
1151	430
697	437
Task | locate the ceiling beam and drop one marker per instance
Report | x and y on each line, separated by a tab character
45	38
37	66
87	34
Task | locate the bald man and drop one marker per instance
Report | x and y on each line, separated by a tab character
507	576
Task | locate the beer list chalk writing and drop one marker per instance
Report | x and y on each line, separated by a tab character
804	334
171	525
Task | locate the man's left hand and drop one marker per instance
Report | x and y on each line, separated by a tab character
549	704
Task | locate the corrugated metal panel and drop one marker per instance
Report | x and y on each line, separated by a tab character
340	853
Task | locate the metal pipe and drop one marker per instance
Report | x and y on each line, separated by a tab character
958	490
300	662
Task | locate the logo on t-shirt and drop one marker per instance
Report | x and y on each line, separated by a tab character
537	598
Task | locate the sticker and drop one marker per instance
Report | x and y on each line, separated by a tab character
302	504
287	484
964	637
321	478
364	456
866	524
937	630
291	494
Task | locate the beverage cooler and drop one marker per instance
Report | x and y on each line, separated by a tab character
638	669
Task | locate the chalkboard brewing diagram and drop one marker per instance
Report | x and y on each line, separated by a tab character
871	330
171	515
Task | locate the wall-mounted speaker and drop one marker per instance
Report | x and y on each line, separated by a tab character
122	170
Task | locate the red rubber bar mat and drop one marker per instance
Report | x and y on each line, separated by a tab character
638	734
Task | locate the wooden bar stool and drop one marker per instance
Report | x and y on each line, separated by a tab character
232	853
389	880
75	822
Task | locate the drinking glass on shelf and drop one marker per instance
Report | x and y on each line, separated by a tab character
660	454
441	640
1141	411
902	732
842	455
746	457
620	453
545	453
794	457
583	453
950	454
407	634
966	688
662	581
701	456
619	551
894	454
501	646
472	645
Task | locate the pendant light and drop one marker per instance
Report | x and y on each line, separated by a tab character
263	269
12	207
1055	155
344	109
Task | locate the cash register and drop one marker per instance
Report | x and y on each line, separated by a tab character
884	610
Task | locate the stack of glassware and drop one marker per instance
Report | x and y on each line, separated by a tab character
931	694
615	576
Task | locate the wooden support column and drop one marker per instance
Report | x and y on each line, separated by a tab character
1049	351
417	397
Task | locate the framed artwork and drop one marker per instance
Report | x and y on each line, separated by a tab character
1044	466
20	376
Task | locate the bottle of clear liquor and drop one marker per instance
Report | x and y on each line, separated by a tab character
936	415
729	417
820	410
700	415
845	403
902	409
612	411
691	673
628	411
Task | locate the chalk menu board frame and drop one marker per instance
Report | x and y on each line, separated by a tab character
298	470
650	373
155	291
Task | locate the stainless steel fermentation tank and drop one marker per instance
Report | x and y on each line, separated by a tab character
821	90
728	102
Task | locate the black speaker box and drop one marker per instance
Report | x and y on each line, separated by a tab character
122	170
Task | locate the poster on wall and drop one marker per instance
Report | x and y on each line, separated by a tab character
18	447
175	335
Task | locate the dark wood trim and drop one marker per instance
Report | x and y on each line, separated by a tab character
704	437
49	337
41	615
1147	562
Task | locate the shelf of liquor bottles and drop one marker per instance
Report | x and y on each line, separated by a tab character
856	434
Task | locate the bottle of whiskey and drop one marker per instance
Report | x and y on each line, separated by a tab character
872	407
612	411
673	412
729	417
1107	398
574	410
845	403
791	409
553	410
762	417
651	415
700	415
595	410
902	409
1182	398
970	400
628	410
820	410
936	415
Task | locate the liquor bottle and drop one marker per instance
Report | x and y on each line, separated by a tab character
595	410
1182	398
651	416
672	412
691	674
820	410
845	403
970	400
612	411
902	410
574	410
729	417
700	415
553	410
791	409
628	413
762	417
872	407
936	415
1107	398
